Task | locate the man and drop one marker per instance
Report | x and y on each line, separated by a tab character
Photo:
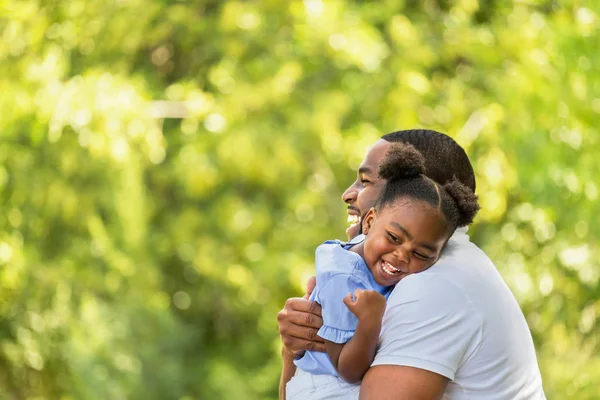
454	331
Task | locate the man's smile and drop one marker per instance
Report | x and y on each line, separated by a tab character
353	219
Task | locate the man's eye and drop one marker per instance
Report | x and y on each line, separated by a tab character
365	181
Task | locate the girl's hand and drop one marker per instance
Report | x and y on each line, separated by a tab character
366	304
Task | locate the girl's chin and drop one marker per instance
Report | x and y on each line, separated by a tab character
390	282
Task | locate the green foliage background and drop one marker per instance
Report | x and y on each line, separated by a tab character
145	257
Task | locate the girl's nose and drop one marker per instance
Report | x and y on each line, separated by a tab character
401	254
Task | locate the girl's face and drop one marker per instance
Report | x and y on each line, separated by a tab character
402	239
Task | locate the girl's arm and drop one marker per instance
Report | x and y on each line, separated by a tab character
353	358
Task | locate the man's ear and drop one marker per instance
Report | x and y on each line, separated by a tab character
368	220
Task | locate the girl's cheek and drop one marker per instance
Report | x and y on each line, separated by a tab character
418	267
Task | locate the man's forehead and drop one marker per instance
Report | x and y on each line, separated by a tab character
365	169
373	157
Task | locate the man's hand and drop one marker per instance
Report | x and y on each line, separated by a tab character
299	322
366	304
310	286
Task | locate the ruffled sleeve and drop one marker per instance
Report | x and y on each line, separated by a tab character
339	323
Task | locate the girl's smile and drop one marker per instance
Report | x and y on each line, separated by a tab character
389	268
388	274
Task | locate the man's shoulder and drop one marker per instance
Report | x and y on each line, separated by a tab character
435	290
460	251
465	282
454	278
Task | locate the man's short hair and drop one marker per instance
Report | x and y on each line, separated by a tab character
444	158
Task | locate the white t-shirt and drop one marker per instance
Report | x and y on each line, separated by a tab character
460	320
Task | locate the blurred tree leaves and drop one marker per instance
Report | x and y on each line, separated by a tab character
143	256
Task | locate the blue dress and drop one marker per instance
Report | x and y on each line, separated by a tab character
339	272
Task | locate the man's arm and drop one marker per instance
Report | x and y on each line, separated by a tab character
393	382
288	370
299	322
429	329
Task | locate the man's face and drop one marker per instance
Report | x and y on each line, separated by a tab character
363	193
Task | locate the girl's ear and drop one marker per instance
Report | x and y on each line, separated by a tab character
368	220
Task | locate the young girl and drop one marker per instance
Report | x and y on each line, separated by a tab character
403	234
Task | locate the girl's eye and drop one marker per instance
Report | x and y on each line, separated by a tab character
393	238
365	181
422	256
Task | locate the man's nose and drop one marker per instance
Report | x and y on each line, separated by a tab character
349	196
